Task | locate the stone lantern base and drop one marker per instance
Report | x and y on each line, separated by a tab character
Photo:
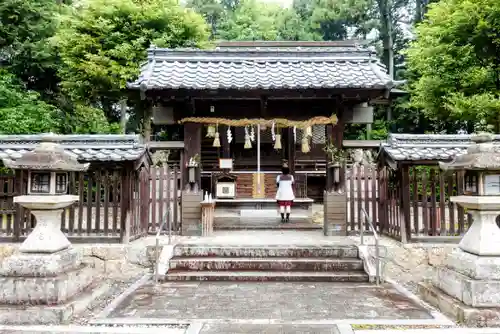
46	273
43	279
45	288
467	286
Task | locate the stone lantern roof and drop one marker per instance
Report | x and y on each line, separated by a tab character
482	155
49	155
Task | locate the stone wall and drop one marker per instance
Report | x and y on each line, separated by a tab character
109	260
410	264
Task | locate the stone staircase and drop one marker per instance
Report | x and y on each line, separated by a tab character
266	263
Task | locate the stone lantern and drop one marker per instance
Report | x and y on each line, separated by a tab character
48	166
481	198
470	274
45	270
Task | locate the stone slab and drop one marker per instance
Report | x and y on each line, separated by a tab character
51	315
259	213
458	311
475	293
271	301
41	265
338	251
474	266
45	290
268	329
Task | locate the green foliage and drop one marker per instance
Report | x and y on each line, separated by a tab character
421	172
212	10
103	42
88	120
251	20
332	19
25	26
455	65
22	112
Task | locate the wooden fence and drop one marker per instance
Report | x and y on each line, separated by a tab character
113	206
118	205
414	202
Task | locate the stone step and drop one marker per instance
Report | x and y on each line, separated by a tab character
266	264
262	276
289	226
260	251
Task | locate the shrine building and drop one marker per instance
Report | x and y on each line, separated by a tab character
237	112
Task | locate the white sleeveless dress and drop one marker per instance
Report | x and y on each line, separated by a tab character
285	188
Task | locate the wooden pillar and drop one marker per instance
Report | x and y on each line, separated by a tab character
125	204
225	145
290	149
191	197
338	138
192	147
335	198
406	205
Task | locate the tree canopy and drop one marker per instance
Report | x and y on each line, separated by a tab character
455	65
103	42
22	112
73	60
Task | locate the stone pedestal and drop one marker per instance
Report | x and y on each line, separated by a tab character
335	213
474	280
46	288
43	279
191	212
467	286
47	236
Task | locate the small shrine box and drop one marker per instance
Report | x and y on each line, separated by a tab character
225	186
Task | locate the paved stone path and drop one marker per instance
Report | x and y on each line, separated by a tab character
275	301
268	329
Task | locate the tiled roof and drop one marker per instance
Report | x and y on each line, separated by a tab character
87	148
263	68
409	147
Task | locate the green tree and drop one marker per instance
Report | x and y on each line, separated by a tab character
455	65
212	10
25	26
103	42
291	27
22	112
251	20
336	20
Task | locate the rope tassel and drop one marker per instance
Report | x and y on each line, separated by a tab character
210	131
216	137
277	142
216	140
248	142
305	145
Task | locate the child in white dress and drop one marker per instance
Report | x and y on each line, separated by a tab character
284	194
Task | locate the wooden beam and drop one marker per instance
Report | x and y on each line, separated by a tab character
355	95
346	143
166	145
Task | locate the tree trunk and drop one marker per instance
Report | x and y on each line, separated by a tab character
386	35
418	10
